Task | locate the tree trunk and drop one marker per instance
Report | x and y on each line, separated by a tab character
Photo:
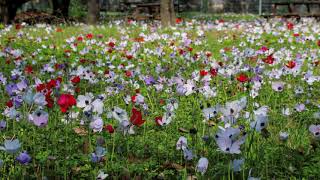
93	11
8	9
167	13
172	13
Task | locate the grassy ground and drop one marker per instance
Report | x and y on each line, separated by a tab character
57	151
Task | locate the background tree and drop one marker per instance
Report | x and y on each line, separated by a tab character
60	8
93	11
8	9
167	13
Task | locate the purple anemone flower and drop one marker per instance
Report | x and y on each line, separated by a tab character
11	89
24	158
149	80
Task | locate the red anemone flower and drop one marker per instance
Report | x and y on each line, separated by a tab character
178	20
290	25
66	101
75	80
89	36
269	60
109	128
203	73
291	64
136	117
242	78
28	69
213	72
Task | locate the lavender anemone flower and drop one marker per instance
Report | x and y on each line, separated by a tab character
202	165
39	118
149	80
3	125
11	146
98	154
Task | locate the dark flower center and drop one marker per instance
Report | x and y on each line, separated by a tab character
87	102
228	149
38	114
262	124
231	111
279	88
317	133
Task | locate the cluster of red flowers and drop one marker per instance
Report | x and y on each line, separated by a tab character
47	88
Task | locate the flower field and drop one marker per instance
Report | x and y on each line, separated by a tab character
205	99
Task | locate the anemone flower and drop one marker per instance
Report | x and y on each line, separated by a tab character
202	165
24	158
11	146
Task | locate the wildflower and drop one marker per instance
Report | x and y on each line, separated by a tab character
202	165
3	125
242	78
228	141
75	80
277	86
210	112
136	117
40	99
109	128
39	118
300	107
181	143
283	136
232	109
98	154
23	158
291	64
11	146
260	122
315	130
96	124
119	114
102	175
236	164
187	153
66	101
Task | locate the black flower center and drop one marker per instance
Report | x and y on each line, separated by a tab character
38	114
262	124
317	133
87	102
228	149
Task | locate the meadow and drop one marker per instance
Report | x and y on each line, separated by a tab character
206	99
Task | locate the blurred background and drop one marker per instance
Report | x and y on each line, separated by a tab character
80	10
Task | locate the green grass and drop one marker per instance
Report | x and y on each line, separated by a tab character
151	152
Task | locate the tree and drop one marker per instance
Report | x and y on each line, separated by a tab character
60	8
8	9
93	11
167	12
